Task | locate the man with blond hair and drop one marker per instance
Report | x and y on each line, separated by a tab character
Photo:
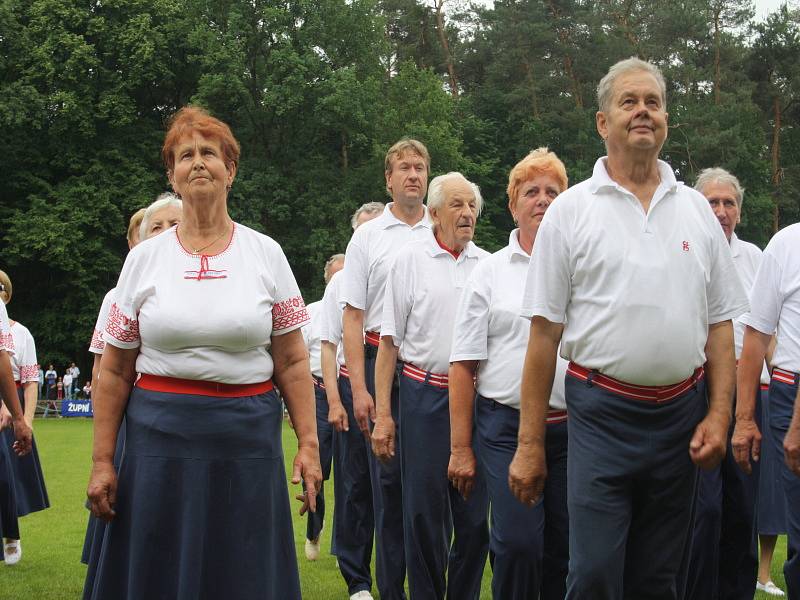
632	275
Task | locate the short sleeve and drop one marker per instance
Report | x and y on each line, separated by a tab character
121	328
288	311
548	284
397	298
6	339
766	296
26	359
97	344
355	273
471	327
726	295
331	312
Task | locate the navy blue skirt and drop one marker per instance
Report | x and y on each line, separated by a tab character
771	499
202	506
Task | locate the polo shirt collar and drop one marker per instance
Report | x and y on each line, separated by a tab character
736	246
387	219
514	247
600	179
434	249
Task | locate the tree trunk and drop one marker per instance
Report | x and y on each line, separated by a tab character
563	37
532	87
345	158
717	75
776	159
440	30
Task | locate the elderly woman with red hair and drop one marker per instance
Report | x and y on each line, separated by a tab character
528	544
208	314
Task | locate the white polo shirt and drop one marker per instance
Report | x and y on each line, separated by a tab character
636	291
311	332
423	287
488	327
331	322
205	318
97	344
6	338
775	298
367	260
23	362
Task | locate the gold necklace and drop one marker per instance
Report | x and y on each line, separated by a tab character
216	239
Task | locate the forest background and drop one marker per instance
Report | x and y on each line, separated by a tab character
317	90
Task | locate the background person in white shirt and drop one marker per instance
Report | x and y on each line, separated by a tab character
633	276
368	258
23	486
311	338
529	544
204	317
775	307
67	381
355	522
724	555
423	286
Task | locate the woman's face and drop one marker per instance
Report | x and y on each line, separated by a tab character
533	198
163	219
199	170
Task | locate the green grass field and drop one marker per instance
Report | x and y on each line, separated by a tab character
50	568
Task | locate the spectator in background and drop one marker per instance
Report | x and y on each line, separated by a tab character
75	372
41	382
67	382
87	390
50	376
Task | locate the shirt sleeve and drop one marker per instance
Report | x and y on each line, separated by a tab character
548	284
26	359
97	344
331	313
727	298
288	311
397	298
471	327
355	273
6	339
765	306
121	328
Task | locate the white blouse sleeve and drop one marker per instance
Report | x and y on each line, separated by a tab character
122	325
288	311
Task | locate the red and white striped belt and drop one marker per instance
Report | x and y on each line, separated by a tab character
435	379
556	416
784	376
174	385
373	338
343	372
645	393
318	382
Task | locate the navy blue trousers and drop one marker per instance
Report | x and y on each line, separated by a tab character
630	492
387	501
353	518
781	404
529	545
771	509
434	513
325	437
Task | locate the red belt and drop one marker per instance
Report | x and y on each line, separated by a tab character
18	384
343	372
646	393
318	382
435	379
784	376
173	385
764	387
556	416
373	338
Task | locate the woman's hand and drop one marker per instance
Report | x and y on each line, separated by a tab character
102	490
24	436
307	468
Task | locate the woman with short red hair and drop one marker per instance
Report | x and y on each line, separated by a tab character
208	314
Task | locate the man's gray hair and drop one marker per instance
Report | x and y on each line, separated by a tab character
605	88
163	201
326	273
436	191
719	175
370	208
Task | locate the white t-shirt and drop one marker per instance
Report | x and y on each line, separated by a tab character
6	338
367	261
97	344
67	379
331	322
23	362
636	291
207	318
489	328
775	297
423	287
311	332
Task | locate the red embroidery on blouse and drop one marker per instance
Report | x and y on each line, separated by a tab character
205	272
97	341
28	373
7	341
288	313
121	327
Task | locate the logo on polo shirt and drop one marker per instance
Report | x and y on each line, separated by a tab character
685	246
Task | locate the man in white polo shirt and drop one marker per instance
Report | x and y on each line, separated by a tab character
423	288
368	256
632	274
724	556
775	306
